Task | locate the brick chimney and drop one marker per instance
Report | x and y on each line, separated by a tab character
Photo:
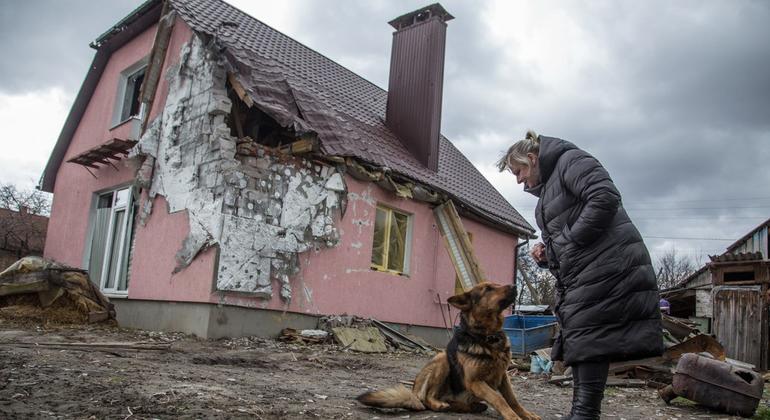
416	81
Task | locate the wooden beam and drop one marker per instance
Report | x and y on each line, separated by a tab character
458	245
239	90
157	58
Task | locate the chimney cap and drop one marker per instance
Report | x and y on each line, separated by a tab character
421	14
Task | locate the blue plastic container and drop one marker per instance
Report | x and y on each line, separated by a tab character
528	333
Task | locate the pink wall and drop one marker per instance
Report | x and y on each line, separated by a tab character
332	281
153	263
338	280
75	187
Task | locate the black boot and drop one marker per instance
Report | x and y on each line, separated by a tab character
591	378
575	386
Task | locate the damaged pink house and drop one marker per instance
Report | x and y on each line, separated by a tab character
216	177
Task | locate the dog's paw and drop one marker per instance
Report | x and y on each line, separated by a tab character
530	416
437	406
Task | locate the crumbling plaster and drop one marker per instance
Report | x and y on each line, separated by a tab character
260	207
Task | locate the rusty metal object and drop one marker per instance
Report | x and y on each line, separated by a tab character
715	384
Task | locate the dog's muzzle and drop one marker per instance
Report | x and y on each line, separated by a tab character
510	297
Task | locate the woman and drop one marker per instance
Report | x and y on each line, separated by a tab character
607	296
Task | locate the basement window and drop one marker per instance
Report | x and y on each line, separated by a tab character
129	102
391	243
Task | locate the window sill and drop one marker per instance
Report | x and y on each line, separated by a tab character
129	119
115	295
391	272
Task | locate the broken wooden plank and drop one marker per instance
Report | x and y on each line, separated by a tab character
157	59
626	383
304	145
389	330
459	245
698	344
38	281
365	340
653	363
559	379
239	90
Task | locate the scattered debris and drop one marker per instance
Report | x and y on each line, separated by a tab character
42	290
304	336
715	384
365	340
401	340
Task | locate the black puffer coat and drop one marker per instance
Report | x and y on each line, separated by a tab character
607	296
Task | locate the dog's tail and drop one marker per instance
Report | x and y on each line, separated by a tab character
396	397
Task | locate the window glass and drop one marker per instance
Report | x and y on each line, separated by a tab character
132	102
397	244
105	201
117	240
121	198
389	245
378	245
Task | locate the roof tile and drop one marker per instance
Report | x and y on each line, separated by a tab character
303	88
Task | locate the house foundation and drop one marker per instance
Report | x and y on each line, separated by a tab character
213	321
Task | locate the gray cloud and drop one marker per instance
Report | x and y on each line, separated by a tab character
673	97
45	42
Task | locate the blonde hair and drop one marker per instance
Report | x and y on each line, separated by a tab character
517	153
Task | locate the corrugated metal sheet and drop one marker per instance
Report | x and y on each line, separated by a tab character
754	241
415	88
738	322
757	242
733	257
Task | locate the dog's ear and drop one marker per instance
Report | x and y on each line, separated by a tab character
461	301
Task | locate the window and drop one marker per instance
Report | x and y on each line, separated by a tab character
111	240
390	247
129	103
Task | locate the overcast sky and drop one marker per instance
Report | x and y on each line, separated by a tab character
672	97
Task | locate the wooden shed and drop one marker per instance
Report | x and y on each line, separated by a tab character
730	298
740	305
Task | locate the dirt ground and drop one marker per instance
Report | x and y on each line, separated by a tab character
238	378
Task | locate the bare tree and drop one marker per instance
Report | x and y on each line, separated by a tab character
538	283
22	228
32	201
672	268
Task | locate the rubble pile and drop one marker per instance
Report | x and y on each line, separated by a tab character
39	290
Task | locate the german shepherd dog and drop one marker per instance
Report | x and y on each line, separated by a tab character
473	367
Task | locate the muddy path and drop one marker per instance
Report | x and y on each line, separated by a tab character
249	378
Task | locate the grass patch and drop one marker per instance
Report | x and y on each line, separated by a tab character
684	401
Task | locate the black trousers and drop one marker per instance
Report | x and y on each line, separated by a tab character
588	382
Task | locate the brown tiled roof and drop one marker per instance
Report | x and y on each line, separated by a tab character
305	90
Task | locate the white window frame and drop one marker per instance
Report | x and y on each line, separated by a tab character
407	241
124	247
120	98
